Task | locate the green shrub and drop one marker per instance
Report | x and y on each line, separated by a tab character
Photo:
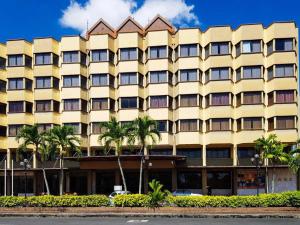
132	200
55	201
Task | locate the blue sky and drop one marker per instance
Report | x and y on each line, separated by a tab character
33	18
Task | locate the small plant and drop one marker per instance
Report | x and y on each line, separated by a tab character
157	195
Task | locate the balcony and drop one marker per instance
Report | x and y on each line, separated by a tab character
215	86
286	136
257	110
182	88
46	70
20	118
215	162
285	57
166	139
248	136
189	138
218	60
219	137
129	66
20	95
188	113
100	115
129	114
130	90
3	143
74	117
249	59
101	92
161	88
190	162
282	109
101	67
244	162
47	117
281	83
244	85
42	94
159	64
220	111
188	62
160	113
72	68
73	92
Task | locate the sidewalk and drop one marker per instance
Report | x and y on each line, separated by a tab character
284	212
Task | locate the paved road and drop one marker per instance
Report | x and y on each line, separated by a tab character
143	221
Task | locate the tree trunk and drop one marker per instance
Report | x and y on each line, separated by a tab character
273	180
46	181
122	174
61	178
141	170
267	179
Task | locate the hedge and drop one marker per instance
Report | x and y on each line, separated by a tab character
263	200
55	201
139	200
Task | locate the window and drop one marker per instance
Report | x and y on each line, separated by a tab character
16	107
99	79
251	72
99	103
43	127
99	55
129	103
285	44
285	122
3	133
28	61
220	124
28	84
284	70
158	101
219	73
42	58
71	81
189	180
43	82
285	96
188	50
2	86
75	126
188	100
128	78
2	108
158	52
251	98
220	48
158	77
218	153
160	152
2	63
56	106
251	46
188	125
188	75
71	104
15	60
219	99
162	125
43	106
238	74
245	153
128	54
13	130
97	128
28	107
15	83
71	57
190	153
252	123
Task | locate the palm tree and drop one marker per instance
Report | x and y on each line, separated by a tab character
146	133
113	137
294	158
272	150
64	141
30	135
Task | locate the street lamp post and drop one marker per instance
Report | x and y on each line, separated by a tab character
257	163
25	164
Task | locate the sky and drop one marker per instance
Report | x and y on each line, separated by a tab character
55	18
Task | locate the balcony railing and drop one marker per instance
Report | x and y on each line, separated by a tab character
191	162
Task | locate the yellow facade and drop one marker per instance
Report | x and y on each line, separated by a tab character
203	135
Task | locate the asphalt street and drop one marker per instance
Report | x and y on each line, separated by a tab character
144	221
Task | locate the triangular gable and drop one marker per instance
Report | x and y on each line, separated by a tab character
159	23
101	27
129	26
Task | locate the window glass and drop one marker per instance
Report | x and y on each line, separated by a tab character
284	70
43	82
2	86
75	126
128	54
71	104
219	99
15	83
158	101
43	58
16	107
162	125
71	81
2	63
71	57
99	79
158	52
15	60
188	100
99	103
285	122
158	77
286	96
188	75
218	153
43	105
284	44
188	125
99	55
188	50
251	72
128	78
130	102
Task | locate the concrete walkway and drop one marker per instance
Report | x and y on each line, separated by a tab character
284	212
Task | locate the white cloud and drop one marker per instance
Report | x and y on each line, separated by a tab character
115	11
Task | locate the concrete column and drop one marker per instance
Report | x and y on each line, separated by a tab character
117	177
234	155
89	182
174	179
204	155
204	181
35	183
8	158
146	181
67	179
93	182
234	181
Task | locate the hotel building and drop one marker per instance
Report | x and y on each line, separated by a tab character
212	93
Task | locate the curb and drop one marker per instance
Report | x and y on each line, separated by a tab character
157	215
